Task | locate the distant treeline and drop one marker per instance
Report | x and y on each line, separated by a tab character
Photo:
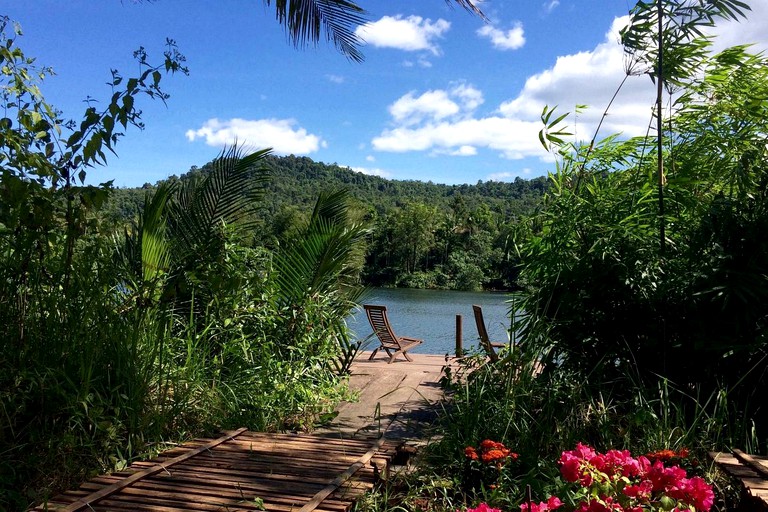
422	234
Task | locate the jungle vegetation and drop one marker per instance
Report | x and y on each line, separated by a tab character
643	285
421	235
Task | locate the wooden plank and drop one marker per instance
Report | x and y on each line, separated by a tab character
107	491
749	471
753	463
137	500
191	489
320	496
241	471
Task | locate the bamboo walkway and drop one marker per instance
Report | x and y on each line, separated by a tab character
752	472
245	471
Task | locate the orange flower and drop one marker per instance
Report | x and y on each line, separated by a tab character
490	445
490	452
666	455
492	455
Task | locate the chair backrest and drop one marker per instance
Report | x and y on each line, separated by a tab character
377	316
485	342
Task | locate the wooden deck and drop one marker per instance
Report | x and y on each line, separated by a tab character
245	471
752	472
397	400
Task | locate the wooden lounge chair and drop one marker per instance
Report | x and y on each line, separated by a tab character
488	345
390	342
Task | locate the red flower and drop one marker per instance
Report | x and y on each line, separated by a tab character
470	453
488	445
641	491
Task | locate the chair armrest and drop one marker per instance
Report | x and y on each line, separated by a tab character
411	340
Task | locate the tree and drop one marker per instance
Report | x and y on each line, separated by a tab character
44	155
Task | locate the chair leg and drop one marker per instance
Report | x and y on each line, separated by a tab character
392	356
373	354
407	356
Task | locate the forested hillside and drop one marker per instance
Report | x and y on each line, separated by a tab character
422	234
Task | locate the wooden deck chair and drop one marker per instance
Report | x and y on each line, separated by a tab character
390	342
488	345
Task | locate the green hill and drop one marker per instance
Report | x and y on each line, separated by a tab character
423	234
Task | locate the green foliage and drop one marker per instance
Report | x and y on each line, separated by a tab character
600	294
683	43
317	279
175	324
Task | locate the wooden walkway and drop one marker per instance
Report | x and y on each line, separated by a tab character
245	471
752	472
239	471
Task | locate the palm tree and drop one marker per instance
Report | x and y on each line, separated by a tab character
306	20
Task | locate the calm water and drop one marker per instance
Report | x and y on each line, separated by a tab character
431	315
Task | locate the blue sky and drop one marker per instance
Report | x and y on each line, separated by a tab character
441	96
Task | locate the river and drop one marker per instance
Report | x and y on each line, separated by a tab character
431	316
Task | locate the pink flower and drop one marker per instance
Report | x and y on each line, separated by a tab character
552	503
665	478
483	507
570	467
642	491
617	482
694	491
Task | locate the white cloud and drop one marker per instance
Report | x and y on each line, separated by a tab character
280	134
449	122
443	122
551	5
434	104
336	79
469	96
413	33
513	139
370	158
512	39
590	78
372	172
464	151
501	176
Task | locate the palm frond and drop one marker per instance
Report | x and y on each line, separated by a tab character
228	195
471	6
319	261
306	20
155	250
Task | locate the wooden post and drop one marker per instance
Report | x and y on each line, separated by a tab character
459	341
